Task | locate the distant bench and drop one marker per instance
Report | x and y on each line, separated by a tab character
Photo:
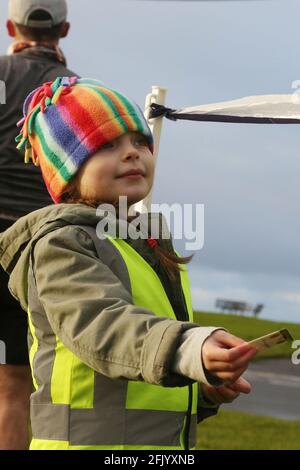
235	306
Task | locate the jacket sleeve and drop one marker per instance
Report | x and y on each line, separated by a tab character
205	409
92	313
188	358
188	362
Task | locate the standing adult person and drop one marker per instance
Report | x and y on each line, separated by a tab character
33	58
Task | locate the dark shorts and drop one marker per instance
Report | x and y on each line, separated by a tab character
13	321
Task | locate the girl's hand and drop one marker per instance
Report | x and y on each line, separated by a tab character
226	357
225	393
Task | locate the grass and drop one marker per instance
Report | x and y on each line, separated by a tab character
232	430
250	328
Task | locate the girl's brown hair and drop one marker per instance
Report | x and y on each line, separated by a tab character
169	261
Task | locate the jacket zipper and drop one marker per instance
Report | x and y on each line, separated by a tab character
186	437
188	420
190	404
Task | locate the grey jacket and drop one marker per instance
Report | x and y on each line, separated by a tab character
49	252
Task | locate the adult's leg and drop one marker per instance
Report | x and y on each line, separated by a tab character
15	390
15	375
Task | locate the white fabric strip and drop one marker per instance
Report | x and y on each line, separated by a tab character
262	106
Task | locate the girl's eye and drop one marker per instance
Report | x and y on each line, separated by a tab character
142	141
108	145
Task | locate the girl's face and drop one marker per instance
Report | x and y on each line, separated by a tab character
101	177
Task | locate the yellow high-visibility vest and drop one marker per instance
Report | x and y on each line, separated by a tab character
87	410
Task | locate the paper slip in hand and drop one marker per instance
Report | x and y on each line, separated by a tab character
271	339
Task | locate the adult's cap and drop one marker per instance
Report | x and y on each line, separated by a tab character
20	12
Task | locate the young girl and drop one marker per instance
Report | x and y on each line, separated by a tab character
117	362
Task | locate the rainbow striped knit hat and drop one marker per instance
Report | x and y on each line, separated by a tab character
68	120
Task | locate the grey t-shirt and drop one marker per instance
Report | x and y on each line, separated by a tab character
22	188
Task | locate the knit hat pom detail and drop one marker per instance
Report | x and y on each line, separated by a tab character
38	101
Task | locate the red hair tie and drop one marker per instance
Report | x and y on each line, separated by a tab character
152	242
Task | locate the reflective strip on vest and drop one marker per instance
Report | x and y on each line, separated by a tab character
81	409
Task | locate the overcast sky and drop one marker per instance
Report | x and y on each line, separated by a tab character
247	176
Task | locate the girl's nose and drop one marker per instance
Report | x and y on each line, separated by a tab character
131	152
